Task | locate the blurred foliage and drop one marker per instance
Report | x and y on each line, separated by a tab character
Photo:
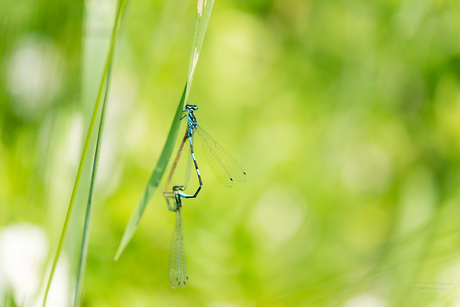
344	114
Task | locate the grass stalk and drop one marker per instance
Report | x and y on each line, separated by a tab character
152	184
202	15
86	228
120	11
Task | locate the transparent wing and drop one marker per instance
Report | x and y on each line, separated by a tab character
178	274
222	164
174	257
183	263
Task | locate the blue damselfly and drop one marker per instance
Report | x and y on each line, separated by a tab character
178	273
223	165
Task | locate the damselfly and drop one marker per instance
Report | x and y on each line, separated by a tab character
178	274
223	165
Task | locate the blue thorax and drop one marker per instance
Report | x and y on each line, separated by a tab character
192	122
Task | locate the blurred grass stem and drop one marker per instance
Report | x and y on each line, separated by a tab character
120	11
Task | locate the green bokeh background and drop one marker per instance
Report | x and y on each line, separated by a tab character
344	114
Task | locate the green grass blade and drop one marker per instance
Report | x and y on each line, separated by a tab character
203	13
154	178
204	8
85	239
116	27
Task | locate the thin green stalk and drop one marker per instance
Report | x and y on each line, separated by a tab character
85	239
120	12
203	13
152	184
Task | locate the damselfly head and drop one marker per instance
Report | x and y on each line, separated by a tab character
178	188
191	107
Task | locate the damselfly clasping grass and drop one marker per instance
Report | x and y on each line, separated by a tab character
223	165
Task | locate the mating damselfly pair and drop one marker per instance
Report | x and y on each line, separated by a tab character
224	167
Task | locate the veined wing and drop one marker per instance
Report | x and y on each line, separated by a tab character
224	167
178	275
